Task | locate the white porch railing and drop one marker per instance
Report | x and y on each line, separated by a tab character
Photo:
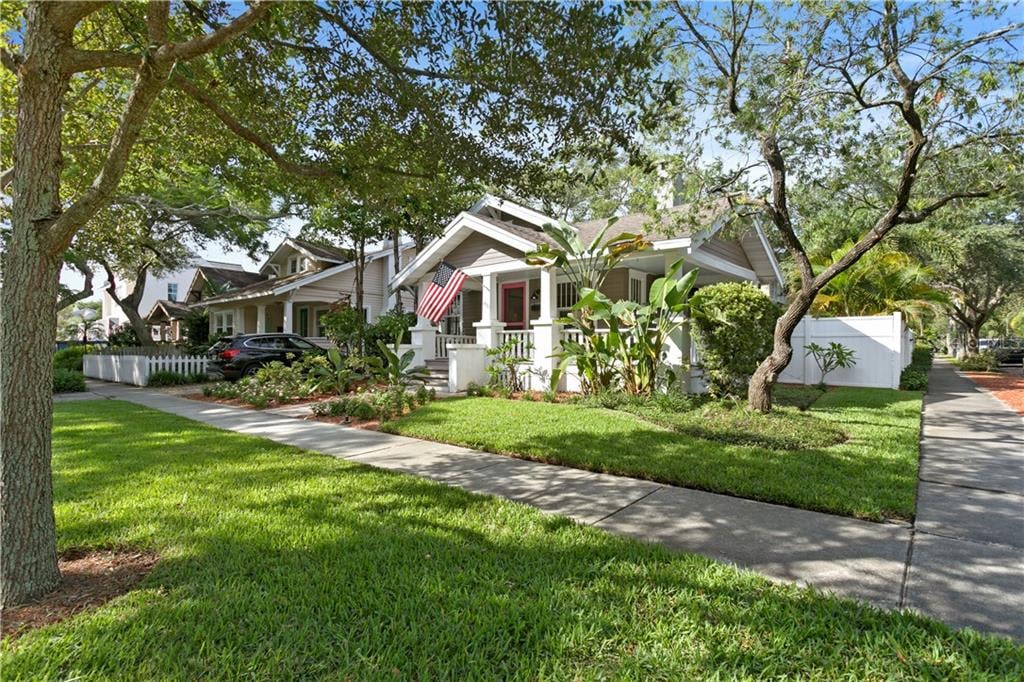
523	340
573	334
136	369
441	342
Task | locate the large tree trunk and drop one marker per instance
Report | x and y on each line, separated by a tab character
973	337
759	392
31	266
130	303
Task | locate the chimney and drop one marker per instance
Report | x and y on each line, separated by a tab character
665	195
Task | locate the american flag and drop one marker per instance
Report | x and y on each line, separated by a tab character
442	291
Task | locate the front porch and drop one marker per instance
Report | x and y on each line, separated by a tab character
272	315
522	304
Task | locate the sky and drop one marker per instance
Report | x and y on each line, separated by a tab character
711	151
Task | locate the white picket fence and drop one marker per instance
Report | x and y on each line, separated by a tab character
136	369
882	345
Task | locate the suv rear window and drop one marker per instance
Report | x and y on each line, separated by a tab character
301	344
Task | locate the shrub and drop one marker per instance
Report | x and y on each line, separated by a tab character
383	405
985	361
123	335
70	358
68	380
175	378
732	325
922	356
914	378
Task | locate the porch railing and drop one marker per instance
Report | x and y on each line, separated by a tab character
523	340
572	334
441	342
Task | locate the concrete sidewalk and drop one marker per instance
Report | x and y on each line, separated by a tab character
859	559
967	550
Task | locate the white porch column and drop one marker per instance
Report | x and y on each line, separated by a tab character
261	318
488	327
424	334
389	273
287	322
239	320
546	331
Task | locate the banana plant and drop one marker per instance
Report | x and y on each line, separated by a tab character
397	370
626	341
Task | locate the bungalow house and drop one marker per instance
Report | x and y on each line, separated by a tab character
301	281
504	298
209	279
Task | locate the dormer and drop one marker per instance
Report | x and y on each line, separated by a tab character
296	256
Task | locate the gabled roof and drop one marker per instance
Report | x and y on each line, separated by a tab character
280	285
219	277
321	251
172	310
674	223
318	252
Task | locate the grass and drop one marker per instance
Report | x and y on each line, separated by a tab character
283	564
872	475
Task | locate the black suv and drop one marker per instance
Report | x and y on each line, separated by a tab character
241	356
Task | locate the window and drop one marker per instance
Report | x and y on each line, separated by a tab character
452	322
297	264
299	344
566	297
224	323
319	322
637	288
172	291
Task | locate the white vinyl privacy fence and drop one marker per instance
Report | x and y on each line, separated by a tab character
136	369
883	346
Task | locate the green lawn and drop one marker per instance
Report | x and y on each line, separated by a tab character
872	475
279	563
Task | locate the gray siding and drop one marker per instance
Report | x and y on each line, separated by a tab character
729	250
479	250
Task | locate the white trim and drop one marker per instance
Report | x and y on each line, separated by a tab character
721	265
460	224
500	268
289	242
512	208
668	245
771	254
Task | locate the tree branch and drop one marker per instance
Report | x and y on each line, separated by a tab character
10	60
308	170
214	39
65	15
922	215
157	12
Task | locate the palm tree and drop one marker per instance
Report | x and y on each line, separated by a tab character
882	282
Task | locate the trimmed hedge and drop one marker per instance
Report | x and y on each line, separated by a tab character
70	358
914	376
733	323
175	378
68	380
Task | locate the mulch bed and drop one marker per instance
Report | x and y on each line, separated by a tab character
90	579
1006	387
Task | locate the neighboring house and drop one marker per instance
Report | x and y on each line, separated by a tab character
504	298
169	286
304	281
166	316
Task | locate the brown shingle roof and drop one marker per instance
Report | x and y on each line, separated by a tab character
261	287
676	222
529	234
325	252
228	276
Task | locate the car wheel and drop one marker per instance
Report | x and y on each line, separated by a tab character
250	370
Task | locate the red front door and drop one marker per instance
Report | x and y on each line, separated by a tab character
513	305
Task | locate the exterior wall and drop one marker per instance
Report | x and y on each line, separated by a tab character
155	290
616	284
882	345
729	250
472	309
479	250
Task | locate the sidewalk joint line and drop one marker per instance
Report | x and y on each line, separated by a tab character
639	499
969	487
